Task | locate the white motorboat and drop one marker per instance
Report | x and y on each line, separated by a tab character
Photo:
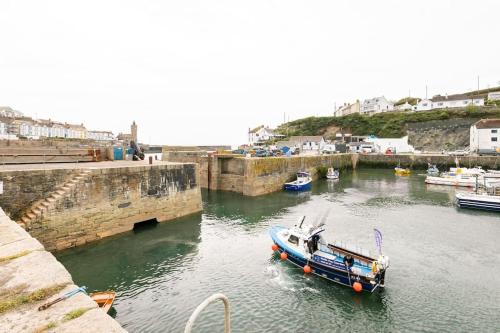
332	174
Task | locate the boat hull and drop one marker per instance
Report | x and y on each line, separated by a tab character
297	187
450	181
478	202
337	275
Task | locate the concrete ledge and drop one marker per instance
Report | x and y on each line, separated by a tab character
25	267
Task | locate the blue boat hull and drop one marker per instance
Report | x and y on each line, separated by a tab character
340	276
295	187
478	204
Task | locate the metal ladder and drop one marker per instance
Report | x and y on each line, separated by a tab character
203	305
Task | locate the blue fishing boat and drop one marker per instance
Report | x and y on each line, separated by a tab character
304	246
302	183
483	201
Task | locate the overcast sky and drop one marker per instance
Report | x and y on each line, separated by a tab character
203	72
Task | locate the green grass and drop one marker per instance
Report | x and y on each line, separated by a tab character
15	297
383	125
18	255
75	314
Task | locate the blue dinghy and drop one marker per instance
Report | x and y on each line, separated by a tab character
305	247
303	183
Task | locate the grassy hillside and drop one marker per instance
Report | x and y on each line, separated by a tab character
384	125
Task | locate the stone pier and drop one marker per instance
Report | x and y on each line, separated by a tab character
30	277
68	205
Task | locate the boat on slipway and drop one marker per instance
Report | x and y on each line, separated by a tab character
332	174
302	183
304	246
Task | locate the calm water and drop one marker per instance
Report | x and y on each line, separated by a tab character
444	274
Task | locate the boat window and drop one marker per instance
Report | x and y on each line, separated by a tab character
293	239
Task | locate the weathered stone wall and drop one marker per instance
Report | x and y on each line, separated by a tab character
420	161
199	157
21	189
108	201
266	175
27	269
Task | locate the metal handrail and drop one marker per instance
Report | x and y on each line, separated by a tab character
203	305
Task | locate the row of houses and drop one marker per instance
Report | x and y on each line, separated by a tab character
13	124
484	139
381	104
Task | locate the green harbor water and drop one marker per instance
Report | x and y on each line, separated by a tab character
444	274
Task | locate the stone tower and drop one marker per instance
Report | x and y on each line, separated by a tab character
133	132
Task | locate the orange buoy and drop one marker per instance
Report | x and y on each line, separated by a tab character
357	287
283	255
307	269
274	247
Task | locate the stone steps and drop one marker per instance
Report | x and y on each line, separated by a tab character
40	207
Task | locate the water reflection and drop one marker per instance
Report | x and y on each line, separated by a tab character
130	261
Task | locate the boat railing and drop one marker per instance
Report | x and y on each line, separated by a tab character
203	305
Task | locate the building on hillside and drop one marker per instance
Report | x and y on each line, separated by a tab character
494	96
75	131
348	109
485	136
262	134
394	145
376	105
403	107
7	111
448	101
308	143
100	135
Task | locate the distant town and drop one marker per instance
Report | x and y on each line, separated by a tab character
15	125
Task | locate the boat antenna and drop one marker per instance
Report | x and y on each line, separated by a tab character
302	221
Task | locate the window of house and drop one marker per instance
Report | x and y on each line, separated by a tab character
494	131
425	104
293	239
494	139
440	104
466	102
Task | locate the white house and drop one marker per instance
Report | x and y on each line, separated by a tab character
494	96
262	134
403	107
309	143
395	145
451	101
376	105
100	135
485	136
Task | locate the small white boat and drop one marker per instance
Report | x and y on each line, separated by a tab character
332	174
457	180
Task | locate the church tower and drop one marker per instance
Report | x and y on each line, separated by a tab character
133	132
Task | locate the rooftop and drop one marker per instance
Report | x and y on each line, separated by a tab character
488	123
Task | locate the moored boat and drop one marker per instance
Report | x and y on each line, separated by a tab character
432	170
302	183
483	201
104	299
456	180
402	171
332	174
305	247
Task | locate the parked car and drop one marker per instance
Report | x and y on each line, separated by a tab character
262	153
239	151
458	152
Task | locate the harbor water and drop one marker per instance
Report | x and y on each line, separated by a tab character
444	274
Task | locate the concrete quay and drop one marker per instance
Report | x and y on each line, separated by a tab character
30	277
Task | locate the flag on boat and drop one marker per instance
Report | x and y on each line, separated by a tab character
378	240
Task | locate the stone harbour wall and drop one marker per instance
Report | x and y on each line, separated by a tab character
101	202
26	269
198	157
421	161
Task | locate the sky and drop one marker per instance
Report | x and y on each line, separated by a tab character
202	72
